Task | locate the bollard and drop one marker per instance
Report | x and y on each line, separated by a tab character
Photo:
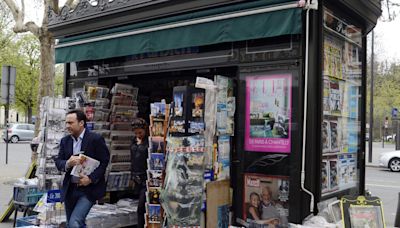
397	219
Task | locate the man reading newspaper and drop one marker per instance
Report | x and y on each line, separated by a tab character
81	190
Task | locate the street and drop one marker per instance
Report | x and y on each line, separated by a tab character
385	185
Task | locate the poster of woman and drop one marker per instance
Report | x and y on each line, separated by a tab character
268	113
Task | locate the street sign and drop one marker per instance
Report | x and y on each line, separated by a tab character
53	196
395	111
8	76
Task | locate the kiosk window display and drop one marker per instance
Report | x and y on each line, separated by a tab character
341	104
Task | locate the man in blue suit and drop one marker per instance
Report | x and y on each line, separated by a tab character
80	193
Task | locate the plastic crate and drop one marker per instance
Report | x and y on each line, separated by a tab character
26	221
26	194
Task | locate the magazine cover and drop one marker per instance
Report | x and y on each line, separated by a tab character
268	113
334	137
157	161
324	176
333	175
343	171
332	58
266	200
325	136
154	211
87	166
335	97
362	211
198	104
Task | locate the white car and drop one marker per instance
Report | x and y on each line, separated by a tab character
390	160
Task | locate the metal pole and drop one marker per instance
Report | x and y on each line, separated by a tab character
397	219
7	110
371	102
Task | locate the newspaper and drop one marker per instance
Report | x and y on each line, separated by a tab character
87	166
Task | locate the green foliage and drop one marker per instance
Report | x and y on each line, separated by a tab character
23	52
386	94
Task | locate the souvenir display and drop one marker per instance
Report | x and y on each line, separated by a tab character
158	128
123	111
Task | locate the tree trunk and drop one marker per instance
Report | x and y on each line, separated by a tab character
46	80
29	112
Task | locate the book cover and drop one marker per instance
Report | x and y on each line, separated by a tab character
87	166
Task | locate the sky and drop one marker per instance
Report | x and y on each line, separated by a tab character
387	34
387	38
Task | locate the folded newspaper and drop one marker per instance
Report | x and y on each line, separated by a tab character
87	166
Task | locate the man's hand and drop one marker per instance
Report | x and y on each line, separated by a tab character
73	161
84	180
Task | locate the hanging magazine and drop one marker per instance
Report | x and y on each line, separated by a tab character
87	166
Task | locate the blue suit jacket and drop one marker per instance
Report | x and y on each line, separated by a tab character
93	146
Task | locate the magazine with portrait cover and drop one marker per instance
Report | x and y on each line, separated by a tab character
266	200
325	96
87	166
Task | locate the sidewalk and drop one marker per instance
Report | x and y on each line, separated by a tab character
18	165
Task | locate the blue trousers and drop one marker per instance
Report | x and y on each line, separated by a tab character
77	206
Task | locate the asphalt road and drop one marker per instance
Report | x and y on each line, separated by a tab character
385	185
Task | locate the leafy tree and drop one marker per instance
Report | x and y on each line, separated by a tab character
46	39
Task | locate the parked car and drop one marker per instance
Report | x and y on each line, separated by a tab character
391	137
390	160
19	132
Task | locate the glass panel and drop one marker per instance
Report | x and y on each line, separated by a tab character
341	104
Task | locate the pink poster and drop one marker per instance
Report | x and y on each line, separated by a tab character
268	113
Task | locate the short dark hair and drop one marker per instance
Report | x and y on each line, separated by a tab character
80	115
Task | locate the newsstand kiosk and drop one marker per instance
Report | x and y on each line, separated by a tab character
299	85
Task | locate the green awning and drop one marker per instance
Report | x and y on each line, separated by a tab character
123	41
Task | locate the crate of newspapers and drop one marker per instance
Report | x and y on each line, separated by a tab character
25	194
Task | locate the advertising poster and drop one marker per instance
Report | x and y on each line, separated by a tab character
266	200
268	113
